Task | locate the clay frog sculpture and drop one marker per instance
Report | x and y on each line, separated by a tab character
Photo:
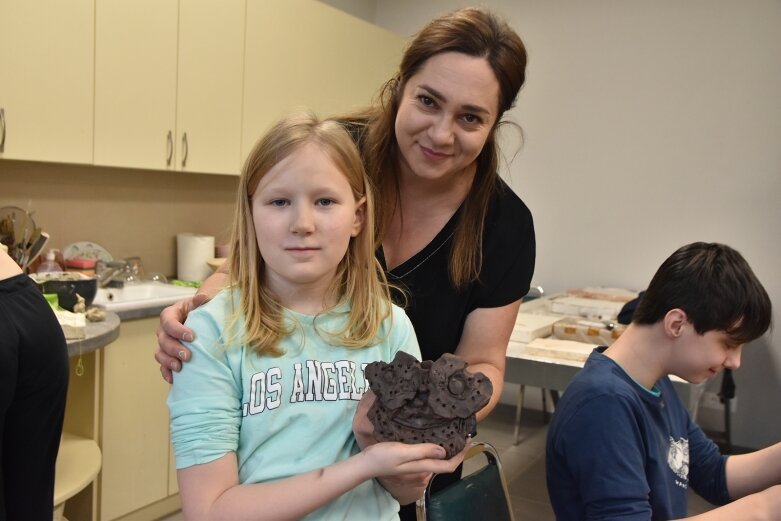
432	402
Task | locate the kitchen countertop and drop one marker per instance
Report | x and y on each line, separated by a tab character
132	314
99	334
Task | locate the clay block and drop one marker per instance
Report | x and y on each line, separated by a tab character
426	402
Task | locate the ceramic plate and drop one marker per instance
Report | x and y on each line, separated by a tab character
86	250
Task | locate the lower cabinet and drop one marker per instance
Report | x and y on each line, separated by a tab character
137	480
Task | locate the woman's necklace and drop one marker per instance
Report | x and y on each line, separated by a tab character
419	264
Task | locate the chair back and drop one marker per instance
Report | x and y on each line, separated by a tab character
478	496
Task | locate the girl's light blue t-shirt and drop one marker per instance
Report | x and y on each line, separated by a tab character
282	416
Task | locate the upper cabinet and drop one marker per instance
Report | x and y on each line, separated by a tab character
306	54
168	79
46	84
179	85
135	83
208	101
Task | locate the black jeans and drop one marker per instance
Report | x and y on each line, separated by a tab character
33	388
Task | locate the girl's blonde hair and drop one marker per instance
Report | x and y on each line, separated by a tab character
359	278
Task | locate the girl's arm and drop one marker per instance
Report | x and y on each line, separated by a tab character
211	491
483	346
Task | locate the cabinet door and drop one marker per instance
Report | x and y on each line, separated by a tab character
211	61
173	482
134	423
46	81
303	53
135	83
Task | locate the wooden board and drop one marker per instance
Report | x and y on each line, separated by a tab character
559	349
529	326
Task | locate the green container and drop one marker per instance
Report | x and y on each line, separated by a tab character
52	299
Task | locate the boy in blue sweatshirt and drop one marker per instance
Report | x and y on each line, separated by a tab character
621	444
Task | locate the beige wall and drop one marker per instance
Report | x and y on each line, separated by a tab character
128	212
364	9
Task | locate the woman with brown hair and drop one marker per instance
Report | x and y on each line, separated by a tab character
453	236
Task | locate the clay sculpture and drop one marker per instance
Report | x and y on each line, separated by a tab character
426	402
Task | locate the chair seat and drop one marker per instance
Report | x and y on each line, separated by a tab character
479	496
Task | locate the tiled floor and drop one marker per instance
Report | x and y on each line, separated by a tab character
524	464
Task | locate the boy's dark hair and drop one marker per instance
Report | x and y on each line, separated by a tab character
716	288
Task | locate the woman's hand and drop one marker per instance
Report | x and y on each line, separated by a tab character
362	426
170	351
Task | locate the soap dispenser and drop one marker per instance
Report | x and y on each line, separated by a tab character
49	264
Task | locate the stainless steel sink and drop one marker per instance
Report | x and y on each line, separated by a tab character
140	295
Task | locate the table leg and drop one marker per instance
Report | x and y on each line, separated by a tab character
518	408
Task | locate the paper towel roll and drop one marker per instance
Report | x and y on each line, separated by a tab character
192	254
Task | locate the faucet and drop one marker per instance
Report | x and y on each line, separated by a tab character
534	293
106	272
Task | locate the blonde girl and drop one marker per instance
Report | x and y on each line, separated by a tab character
261	417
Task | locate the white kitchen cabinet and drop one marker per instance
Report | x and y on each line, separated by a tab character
135	83
304	53
166	84
168	79
46	83
211	64
134	426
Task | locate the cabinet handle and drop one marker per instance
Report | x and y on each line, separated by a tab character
186	149
2	129
170	147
